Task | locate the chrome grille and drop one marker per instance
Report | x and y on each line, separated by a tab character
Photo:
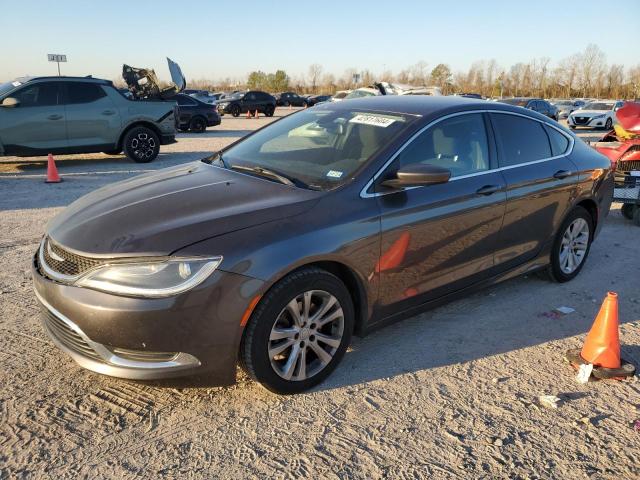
67	336
65	262
628	166
581	120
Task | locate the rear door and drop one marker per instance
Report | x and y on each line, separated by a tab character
250	101
92	117
440	238
38	123
541	181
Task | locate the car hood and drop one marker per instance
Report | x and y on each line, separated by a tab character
589	113
161	212
143	82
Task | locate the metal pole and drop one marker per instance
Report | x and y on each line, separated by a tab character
58	68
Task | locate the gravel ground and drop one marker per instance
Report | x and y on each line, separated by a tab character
450	393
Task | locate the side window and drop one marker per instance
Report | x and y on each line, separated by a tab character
559	143
251	96
38	95
522	140
185	101
458	143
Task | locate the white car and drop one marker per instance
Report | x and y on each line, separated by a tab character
385	88
596	114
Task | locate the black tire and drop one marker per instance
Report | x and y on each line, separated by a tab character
636	215
269	110
608	124
235	110
183	129
113	152
627	211
198	125
141	144
555	270
254	356
572	127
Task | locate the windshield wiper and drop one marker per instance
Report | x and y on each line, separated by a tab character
264	172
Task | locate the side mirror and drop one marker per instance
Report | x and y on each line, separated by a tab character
418	174
10	102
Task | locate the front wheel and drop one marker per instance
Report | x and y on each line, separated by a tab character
608	124
571	246
235	111
299	332
268	110
141	144
627	210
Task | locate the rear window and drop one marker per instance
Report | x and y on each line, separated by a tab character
522	140
559	143
84	92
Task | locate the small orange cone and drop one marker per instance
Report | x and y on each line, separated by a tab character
290	107
257	114
602	345
248	113
52	171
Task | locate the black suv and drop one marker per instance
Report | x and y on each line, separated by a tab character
536	104
248	102
290	98
195	115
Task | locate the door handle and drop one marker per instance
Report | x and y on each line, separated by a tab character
54	117
560	174
488	189
108	112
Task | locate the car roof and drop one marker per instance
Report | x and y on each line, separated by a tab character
64	78
423	105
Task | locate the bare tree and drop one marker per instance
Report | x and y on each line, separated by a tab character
315	70
615	77
593	61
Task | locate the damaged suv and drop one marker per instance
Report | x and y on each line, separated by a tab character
69	115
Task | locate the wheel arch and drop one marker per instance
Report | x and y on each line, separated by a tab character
590	206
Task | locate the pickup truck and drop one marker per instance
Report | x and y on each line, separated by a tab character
69	115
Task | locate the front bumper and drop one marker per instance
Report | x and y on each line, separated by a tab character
197	332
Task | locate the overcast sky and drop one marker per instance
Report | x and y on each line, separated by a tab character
219	39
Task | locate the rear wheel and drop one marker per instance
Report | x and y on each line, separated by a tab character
571	246
197	125
299	332
141	144
268	110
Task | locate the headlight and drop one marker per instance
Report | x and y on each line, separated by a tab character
599	116
151	279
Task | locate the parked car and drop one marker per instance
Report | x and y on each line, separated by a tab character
536	104
596	114
565	107
339	95
248	102
195	115
63	115
315	99
290	98
330	221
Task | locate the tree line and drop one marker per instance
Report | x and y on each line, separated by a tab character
583	74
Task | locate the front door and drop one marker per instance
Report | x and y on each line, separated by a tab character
37	124
440	238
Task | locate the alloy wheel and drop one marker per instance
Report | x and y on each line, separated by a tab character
143	145
573	247
306	335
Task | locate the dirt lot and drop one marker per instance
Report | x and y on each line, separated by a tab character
451	393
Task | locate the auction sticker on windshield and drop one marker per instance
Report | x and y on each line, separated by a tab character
374	120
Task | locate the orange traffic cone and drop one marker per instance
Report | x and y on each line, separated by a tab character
52	171
290	107
248	113
257	115
602	345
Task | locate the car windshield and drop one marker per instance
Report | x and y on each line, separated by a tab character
598	106
6	87
516	101
360	93
319	148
